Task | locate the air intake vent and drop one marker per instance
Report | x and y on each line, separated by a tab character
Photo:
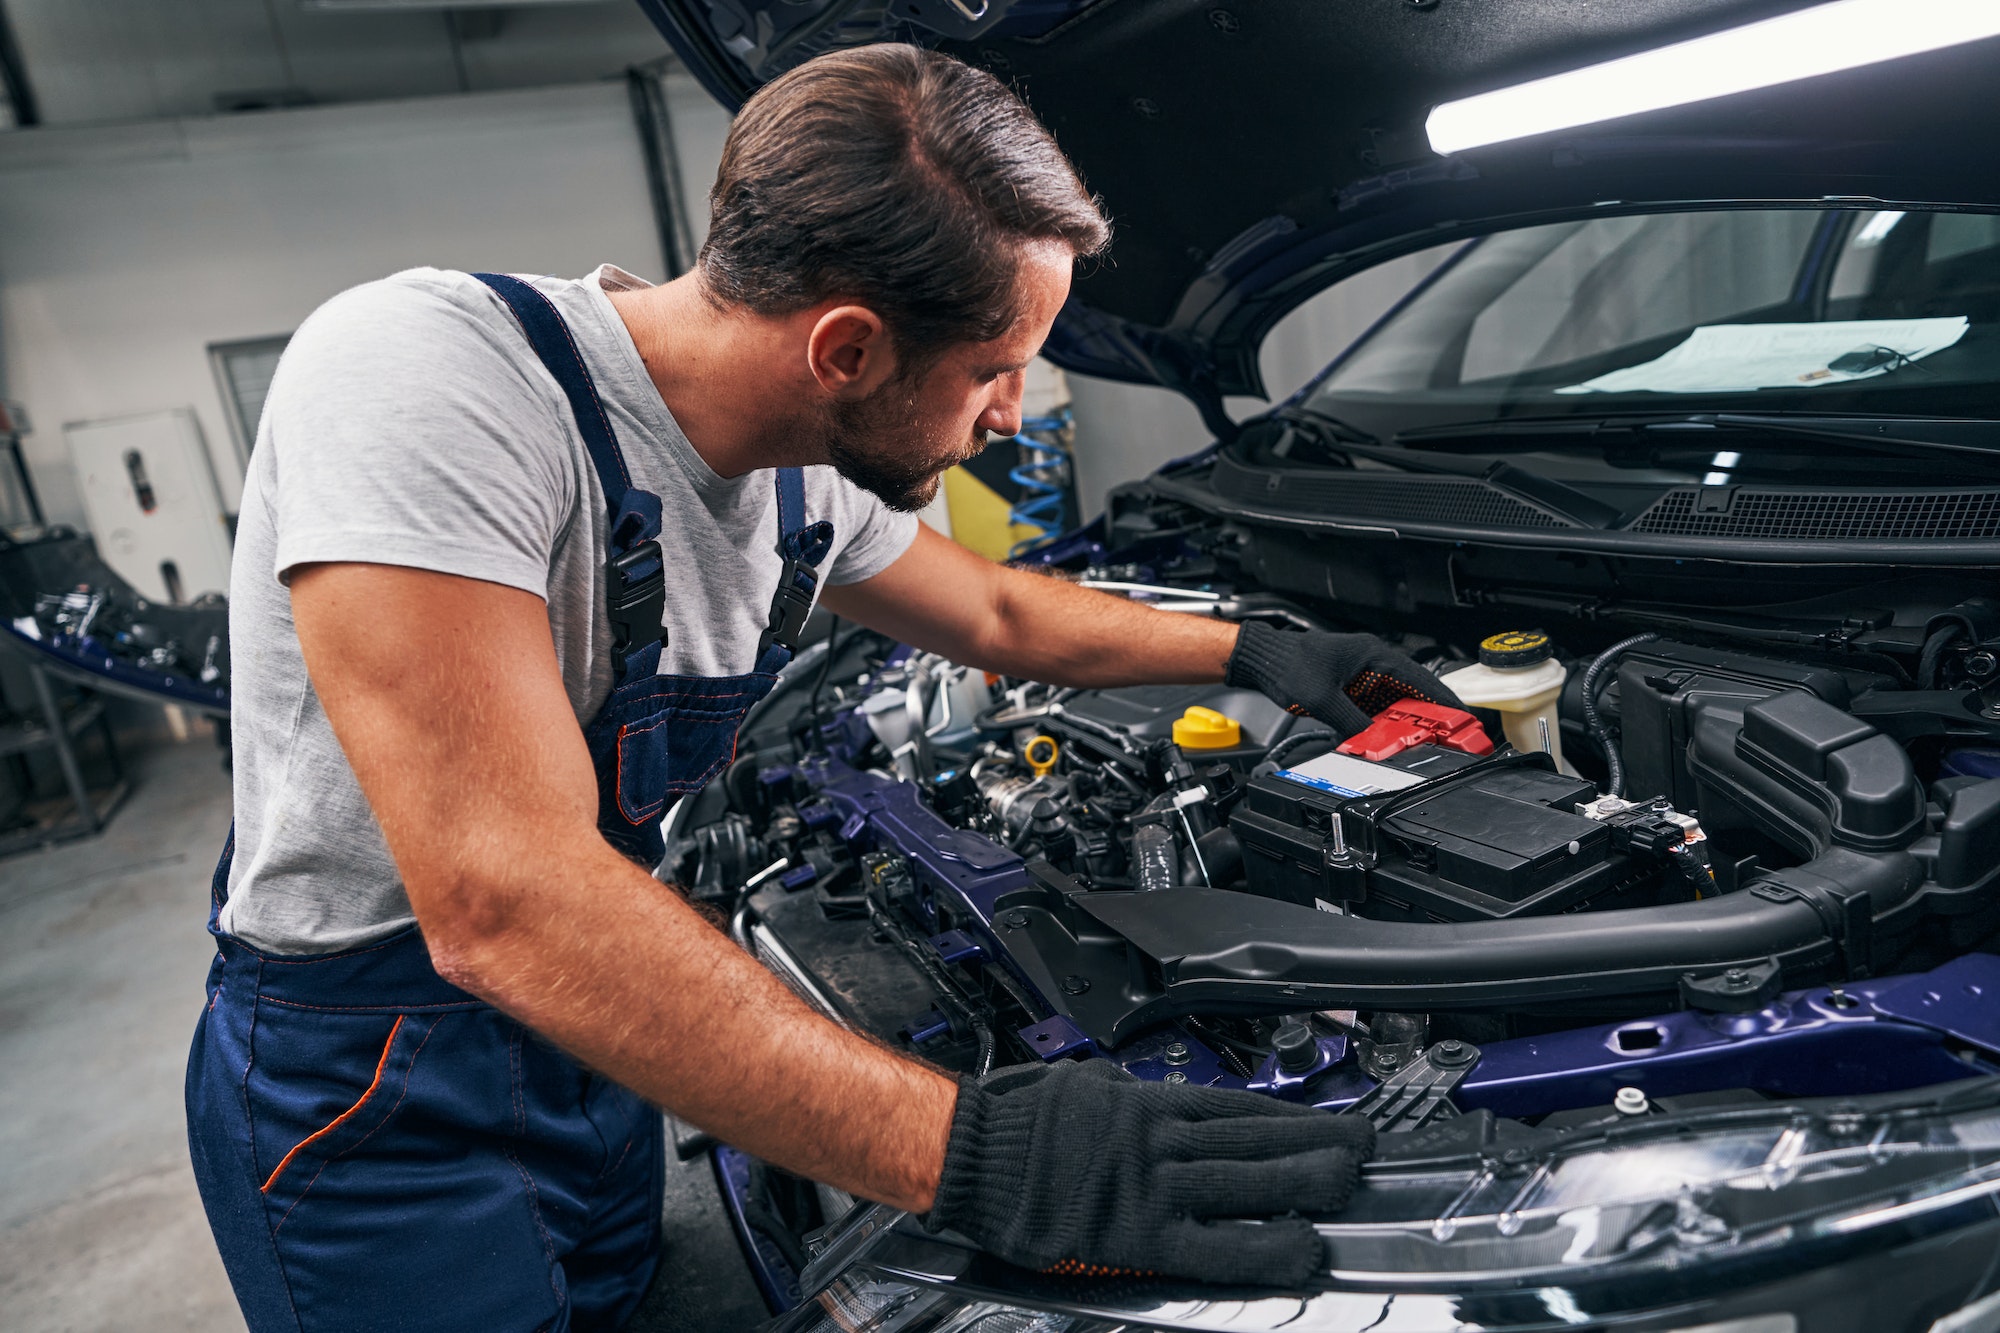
1456	502
1825	515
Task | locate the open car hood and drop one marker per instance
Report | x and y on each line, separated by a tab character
1251	155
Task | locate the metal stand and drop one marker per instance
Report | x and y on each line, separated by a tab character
58	730
18	502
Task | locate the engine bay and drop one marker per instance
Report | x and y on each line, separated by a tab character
1705	874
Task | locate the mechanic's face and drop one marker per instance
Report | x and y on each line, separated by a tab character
899	441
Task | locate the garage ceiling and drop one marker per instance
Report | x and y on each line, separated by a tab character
123	60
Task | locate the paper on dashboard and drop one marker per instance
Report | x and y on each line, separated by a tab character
1727	358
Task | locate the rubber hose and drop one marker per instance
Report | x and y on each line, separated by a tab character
802	667
982	1063
1278	753
1934	646
1156	861
1222	853
1595	722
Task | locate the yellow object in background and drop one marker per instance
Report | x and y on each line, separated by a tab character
979	516
1041	754
1205	729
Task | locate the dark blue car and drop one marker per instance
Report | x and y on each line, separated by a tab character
1675	989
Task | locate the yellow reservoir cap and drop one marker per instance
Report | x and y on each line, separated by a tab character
1205	729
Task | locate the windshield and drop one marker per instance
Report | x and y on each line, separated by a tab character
1796	310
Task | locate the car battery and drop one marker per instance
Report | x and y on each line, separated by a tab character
1419	837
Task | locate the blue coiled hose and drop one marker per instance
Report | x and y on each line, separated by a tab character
1043	479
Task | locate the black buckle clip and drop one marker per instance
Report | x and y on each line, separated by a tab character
637	606
790	606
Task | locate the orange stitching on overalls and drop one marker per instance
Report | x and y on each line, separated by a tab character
408	1074
613	1168
342	1118
646	812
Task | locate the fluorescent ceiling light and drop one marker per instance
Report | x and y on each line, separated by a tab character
1842	35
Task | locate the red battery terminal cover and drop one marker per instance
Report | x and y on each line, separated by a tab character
1415	722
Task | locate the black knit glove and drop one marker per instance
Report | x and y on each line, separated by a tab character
1078	1166
1341	679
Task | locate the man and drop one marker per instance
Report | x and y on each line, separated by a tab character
504	587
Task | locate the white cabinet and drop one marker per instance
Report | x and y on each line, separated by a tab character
149	490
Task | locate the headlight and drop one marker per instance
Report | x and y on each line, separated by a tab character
1757	1219
1667	1194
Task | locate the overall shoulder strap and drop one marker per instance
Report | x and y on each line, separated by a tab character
801	546
634	570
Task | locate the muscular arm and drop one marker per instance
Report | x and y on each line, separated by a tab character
448	701
941	597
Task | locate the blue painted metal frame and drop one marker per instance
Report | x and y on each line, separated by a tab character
85	661
1884	1035
974	870
776	1281
1056	1038
1807	1044
976	873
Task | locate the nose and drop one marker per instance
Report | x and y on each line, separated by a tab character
1003	411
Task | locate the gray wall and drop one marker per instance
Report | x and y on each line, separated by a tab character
126	250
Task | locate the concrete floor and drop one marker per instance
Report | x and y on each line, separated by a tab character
103	948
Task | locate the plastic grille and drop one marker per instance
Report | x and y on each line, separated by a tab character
1963	515
1445	501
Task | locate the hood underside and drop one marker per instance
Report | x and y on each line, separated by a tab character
1250	156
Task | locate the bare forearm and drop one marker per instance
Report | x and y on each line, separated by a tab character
617	970
943	598
1053	631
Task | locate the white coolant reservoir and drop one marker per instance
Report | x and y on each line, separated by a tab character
1518	677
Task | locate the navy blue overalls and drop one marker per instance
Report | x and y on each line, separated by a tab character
378	1149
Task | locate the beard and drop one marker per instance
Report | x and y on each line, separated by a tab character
880	445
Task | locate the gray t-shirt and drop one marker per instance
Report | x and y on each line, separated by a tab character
410	424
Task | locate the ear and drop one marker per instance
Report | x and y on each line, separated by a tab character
848	351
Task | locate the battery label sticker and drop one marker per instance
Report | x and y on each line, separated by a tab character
1344	775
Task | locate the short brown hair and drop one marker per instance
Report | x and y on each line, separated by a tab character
897	177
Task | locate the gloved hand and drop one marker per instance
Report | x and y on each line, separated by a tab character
1081	1165
1341	679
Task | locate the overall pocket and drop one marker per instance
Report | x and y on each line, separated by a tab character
665	737
667	755
323	1085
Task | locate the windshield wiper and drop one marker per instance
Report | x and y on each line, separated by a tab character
1544	492
1899	435
1329	428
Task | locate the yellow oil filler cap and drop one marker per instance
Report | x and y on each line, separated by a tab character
1515	648
1205	729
